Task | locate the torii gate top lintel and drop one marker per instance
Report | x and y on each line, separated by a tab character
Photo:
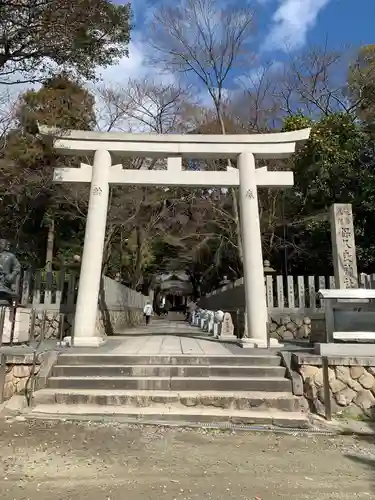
263	146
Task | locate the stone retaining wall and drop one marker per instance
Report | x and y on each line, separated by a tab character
108	323
52	325
351	384
112	322
282	326
289	327
17	373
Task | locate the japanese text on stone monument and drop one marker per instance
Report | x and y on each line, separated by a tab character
343	246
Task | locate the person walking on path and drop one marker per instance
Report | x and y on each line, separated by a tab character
147	312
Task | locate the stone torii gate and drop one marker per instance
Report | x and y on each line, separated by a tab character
243	149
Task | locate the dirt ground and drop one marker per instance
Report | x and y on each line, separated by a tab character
108	461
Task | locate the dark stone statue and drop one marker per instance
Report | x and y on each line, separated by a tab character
10	268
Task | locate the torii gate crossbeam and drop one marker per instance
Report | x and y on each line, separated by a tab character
245	149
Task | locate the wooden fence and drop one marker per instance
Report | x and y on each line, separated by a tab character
57	291
301	292
48	290
285	294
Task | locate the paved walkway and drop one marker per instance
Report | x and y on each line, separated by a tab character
164	337
161	337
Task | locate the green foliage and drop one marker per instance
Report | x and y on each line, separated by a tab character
296	122
361	79
76	36
325	167
29	199
61	102
331	168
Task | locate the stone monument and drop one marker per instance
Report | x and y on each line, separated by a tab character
343	246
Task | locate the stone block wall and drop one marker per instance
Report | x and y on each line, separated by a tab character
118	320
17	373
289	328
112	321
285	323
282	326
119	307
52	321
351	385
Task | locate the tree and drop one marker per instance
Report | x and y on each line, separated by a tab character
7	111
313	82
139	215
61	102
257	108
334	166
203	40
145	105
40	36
361	80
30	202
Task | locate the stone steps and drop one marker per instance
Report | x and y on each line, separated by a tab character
167	371
182	388
158	400
121	359
174	415
267	384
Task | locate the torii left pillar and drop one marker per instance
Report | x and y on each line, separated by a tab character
85	331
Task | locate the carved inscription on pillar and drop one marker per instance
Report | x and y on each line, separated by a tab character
343	246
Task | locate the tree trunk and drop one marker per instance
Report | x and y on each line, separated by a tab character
139	258
236	212
50	242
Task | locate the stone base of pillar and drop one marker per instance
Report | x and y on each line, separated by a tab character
249	343
89	341
227	338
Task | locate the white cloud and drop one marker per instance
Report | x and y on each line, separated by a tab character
255	76
291	22
133	67
128	67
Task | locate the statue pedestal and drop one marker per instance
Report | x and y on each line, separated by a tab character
21	326
251	343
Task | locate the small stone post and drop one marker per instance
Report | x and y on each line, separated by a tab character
343	246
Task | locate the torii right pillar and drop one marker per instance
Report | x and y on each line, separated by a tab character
256	315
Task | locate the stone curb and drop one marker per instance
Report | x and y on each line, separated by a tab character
293	375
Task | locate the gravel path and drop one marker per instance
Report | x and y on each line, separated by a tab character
62	460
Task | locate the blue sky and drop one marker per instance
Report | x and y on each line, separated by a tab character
346	22
282	25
